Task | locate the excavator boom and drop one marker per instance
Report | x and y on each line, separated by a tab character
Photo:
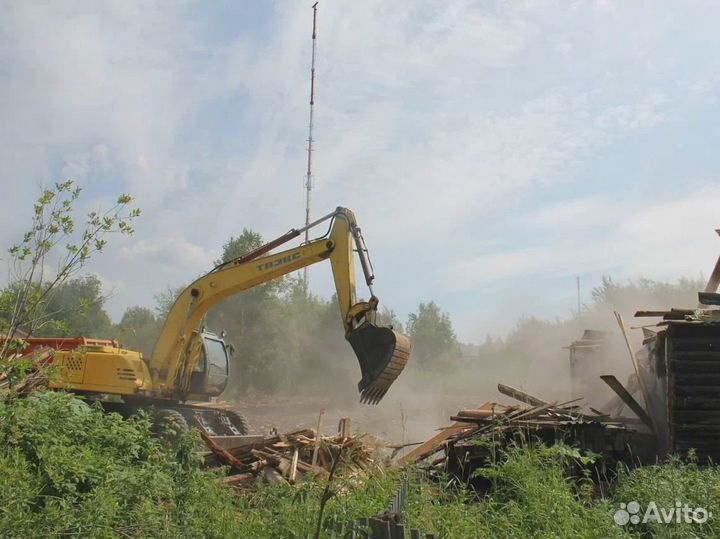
381	352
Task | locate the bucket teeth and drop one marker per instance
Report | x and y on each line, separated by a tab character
374	387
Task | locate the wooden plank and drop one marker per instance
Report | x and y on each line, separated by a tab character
650	314
223	454
640	379
628	399
520	395
294	465
475	414
468	420
429	447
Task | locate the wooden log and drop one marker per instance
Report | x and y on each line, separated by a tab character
224	455
294	465
520	395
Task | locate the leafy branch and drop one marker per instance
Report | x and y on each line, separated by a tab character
54	229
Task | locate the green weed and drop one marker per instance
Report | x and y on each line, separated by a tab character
69	470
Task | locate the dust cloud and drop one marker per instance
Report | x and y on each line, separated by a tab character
533	357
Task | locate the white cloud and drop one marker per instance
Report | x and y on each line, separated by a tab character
171	253
662	240
442	124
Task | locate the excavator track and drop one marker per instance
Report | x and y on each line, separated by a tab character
213	419
218	420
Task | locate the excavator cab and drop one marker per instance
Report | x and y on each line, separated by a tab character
210	375
382	354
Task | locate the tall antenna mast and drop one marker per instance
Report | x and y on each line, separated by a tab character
308	174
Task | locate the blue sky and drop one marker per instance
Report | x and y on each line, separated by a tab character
491	150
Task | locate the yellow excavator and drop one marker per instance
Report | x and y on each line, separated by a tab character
189	365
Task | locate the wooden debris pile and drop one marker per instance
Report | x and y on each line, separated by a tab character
456	445
35	377
291	457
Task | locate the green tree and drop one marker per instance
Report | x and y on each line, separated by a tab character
241	245
53	240
164	300
251	322
76	309
431	332
139	329
387	317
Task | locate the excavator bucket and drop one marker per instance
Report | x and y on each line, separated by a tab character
382	354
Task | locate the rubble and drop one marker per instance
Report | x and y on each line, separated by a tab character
456	448
289	457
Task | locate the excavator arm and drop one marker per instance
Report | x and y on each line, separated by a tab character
381	352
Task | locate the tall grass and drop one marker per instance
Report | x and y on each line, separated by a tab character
69	470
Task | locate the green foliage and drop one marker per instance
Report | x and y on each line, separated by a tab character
387	317
431	332
292	511
69	469
76	308
676	480
53	240
239	246
164	300
531	497
138	330
236	247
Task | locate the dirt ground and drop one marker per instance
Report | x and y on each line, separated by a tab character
395	419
